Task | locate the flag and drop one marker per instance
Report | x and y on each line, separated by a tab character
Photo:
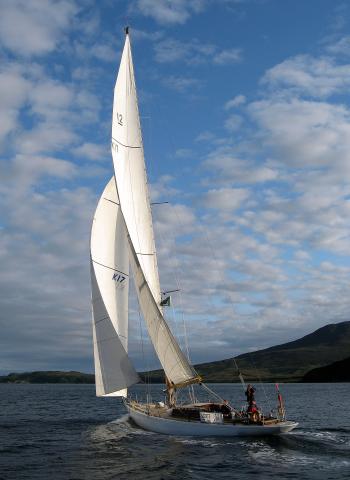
166	301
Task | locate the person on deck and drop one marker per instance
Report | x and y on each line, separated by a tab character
250	394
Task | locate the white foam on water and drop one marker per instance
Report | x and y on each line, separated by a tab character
124	418
205	443
328	436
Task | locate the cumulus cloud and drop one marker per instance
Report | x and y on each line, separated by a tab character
232	55
171	50
305	133
194	52
14	90
184	153
342	46
168	12
296	157
226	168
48	136
233	122
225	199
162	190
235	102
92	151
181	84
103	51
46	210
41	272
317	77
41	24
257	235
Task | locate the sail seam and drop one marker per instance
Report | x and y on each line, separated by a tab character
108	200
106	339
131	178
102	319
122	144
110	268
176	349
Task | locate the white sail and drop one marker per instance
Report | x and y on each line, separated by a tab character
131	180
110	286
130	171
175	365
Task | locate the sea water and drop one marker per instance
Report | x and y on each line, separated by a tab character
57	432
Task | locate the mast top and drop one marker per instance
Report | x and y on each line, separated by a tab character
126	30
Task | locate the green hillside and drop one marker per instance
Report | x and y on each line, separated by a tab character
48	377
288	362
336	372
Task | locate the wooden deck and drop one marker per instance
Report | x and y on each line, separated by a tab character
180	414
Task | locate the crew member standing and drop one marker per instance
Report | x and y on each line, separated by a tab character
250	394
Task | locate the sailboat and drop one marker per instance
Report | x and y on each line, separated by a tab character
123	246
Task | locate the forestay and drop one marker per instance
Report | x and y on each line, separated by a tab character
110	286
131	180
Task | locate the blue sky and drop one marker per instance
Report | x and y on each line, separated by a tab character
246	121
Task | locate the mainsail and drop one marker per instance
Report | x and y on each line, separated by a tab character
110	285
130	170
131	181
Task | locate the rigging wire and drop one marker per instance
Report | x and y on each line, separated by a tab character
212	392
260	381
156	170
249	354
175	319
141	259
147	374
177	279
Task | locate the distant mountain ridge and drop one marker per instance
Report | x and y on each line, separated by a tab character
336	372
48	377
288	362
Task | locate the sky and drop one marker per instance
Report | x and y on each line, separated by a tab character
245	112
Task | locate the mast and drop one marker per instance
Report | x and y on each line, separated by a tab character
170	392
132	189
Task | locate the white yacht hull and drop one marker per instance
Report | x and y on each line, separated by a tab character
171	426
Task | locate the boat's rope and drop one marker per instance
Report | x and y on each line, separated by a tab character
212	392
240	375
260	381
147	375
233	305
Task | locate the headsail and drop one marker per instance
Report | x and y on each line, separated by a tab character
131	180
176	366
110	284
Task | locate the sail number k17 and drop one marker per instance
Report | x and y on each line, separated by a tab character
118	278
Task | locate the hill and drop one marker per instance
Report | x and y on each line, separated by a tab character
300	360
336	372
48	377
288	362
